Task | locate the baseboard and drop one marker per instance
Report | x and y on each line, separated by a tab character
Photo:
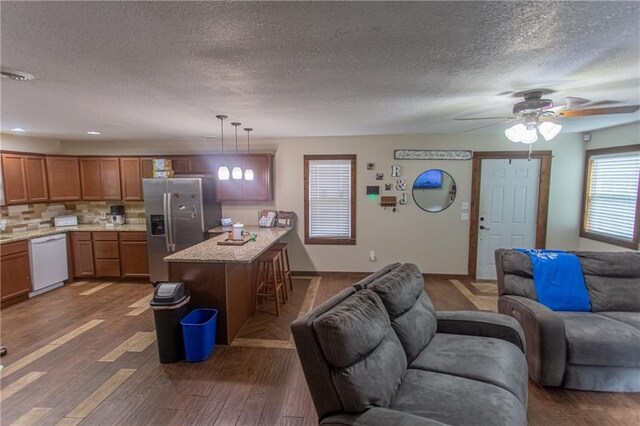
360	275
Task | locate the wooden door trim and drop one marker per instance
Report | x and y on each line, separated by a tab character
544	180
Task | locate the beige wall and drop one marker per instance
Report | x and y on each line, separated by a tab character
437	242
10	142
628	134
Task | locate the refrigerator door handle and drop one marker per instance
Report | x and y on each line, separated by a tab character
166	221
172	246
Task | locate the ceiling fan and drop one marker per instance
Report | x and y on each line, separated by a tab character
536	115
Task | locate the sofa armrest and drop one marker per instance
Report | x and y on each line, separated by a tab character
379	417
544	330
484	324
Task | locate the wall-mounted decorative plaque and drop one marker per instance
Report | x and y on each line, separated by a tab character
429	154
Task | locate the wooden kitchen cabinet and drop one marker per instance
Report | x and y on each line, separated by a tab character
146	166
106	254
134	259
202	165
15	273
63	175
36	167
131	179
82	247
258	189
25	178
100	178
180	166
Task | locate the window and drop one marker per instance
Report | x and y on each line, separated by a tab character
330	199
611	196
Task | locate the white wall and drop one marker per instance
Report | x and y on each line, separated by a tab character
628	134
437	242
10	142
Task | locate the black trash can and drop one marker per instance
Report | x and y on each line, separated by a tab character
170	304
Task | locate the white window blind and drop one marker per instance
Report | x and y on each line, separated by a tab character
330	198
611	194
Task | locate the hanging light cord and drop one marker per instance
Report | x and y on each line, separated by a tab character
248	129
221	118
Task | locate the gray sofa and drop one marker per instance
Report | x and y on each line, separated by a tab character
597	350
377	353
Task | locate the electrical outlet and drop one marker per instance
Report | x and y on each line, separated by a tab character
103	215
464	216
465	205
372	256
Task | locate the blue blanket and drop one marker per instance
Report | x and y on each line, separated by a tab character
559	280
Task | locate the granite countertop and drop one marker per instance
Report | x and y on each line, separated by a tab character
11	237
210	252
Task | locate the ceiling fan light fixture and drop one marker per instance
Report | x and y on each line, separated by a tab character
512	133
223	173
549	130
529	136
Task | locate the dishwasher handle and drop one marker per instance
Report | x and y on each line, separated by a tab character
37	241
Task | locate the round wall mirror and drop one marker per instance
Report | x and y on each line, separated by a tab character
434	190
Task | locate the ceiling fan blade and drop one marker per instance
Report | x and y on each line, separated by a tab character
483	118
482	127
600	111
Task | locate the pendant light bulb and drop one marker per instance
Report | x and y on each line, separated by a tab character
236	172
223	170
248	173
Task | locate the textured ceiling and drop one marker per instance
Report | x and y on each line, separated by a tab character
145	70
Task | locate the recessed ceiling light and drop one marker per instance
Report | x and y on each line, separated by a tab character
15	74
18	129
93	132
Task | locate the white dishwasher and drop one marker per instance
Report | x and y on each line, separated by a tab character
48	257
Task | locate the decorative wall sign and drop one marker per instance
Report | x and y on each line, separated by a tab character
401	185
379	176
388	186
371	166
396	171
404	199
428	154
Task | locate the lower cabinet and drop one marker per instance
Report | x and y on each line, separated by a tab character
110	254
82	248
134	259
15	273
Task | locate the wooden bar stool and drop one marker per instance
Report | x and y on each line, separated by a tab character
284	259
268	280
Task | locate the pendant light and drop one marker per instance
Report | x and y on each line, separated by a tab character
236	172
223	170
248	173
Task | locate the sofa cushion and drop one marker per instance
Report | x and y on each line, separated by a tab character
488	360
517	285
610	264
629	318
593	339
457	400
412	315
613	293
367	358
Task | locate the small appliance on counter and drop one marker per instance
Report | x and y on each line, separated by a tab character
226	223
238	232
69	220
117	214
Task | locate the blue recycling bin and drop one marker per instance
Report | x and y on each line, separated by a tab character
199	334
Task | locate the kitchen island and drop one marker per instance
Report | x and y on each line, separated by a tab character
221	276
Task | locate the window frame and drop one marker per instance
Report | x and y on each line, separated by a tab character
584	233
330	241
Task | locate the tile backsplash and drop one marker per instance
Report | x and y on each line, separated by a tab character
37	216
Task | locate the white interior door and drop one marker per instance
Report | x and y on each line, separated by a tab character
508	208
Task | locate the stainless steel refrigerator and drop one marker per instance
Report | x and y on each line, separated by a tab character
179	213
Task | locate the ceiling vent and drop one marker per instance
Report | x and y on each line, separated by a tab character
15	74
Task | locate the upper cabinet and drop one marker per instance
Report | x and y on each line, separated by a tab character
100	178
131	179
25	178
64	178
258	189
203	165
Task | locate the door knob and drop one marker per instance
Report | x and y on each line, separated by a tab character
484	227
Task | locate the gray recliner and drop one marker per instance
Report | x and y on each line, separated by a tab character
597	350
377	353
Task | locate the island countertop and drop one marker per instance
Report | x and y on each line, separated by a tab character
210	252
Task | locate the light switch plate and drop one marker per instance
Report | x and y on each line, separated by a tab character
465	205
464	216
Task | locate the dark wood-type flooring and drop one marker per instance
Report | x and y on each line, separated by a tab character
91	359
